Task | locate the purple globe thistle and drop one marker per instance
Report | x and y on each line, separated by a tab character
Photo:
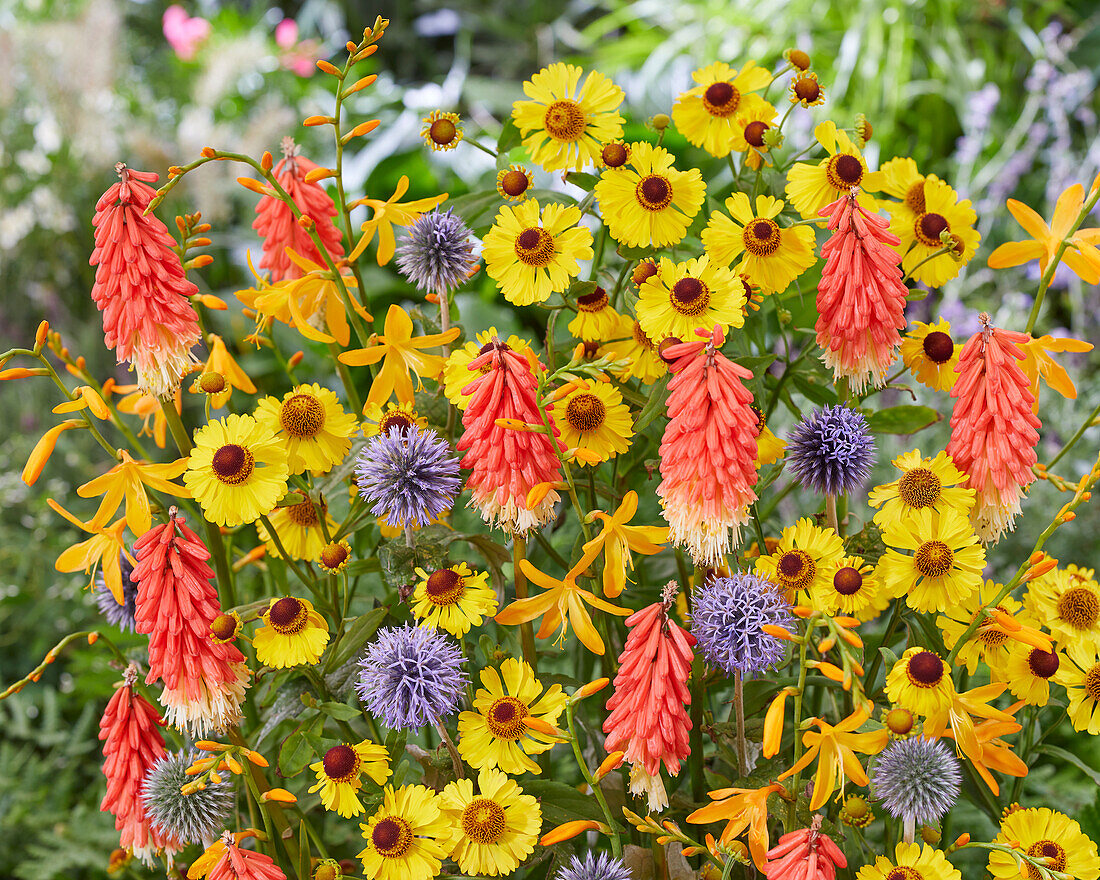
594	866
188	818
727	616
436	254
409	474
411	676
118	615
917	780
832	450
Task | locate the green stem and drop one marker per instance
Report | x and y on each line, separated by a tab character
526	630
291	564
739	706
876	659
796	783
1073	440
612	825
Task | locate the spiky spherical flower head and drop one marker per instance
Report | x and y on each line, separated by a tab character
409	475
189	818
916	779
436	254
594	866
832	450
728	619
122	615
411	676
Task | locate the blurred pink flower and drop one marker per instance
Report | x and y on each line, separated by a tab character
298	57
183	33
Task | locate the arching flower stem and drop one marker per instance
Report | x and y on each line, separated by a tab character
616	842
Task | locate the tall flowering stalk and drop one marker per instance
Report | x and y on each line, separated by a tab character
860	298
140	286
708	452
506	464
994	430
204	680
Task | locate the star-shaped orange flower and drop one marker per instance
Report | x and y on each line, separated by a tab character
127	480
741	808
1081	256
102	549
618	539
387	214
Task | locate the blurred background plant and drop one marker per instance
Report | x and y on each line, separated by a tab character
996	97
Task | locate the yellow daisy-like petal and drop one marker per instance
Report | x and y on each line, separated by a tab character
921	682
531	255
911	862
394	417
804	561
339	775
237	470
298	527
629	342
311	425
495	829
753	120
595	320
1081	679
595	419
496	734
293	634
930	354
1067	602
1030	670
854	591
408	837
682	297
1044	833
920	235
563	127
707	114
453	599
810	187
774	256
933	484
647	202
990	644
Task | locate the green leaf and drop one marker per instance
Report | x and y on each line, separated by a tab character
634	253
363	566
654	407
509	136
362	630
294	754
815	388
340	711
889	658
757	364
303	850
906	419
1069	757
581	288
584	181
562	803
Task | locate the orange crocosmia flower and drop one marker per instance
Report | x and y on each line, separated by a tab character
957	717
1038	363
136	402
618	539
562	603
741	808
103	548
220	361
401	351
995	754
387	214
127	480
1081	255
835	748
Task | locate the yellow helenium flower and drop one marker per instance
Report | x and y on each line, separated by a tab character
1067	601
1046	834
921	682
387	214
1081	255
593	418
298	526
647	202
682	297
104	549
407	837
628	342
126	481
902	181
753	120
920	236
1030	670
773	256
1081	679
835	748
394	416
989	644
237	470
564	128
911	860
497	734
706	114
531	255
930	354
854	591
453	599
312	425
456	373
947	561
933	484
442	130
810	187
220	361
402	353
804	561
496	829
618	539
293	634
595	320
339	775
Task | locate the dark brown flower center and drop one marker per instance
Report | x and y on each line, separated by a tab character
514	183
919	487
1092	683
394	421
928	228
564	121
796	570
288	616
925	669
614	155
847	581
690	296
391	837
914	197
938	347
807	89
442	132
721	99
596	301
1079	607
1043	664
754	133
844	171
232	464
641	338
933	559
334	554
1046	849
505	718
302	415
341	763
483	821
904	872
761	237
654	192
643	271
444	587
585	412
535	246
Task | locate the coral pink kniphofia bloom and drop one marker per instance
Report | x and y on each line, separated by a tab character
860	298
708	452
276	224
806	854
140	286
130	728
243	864
648	716
506	463
204	680
994	429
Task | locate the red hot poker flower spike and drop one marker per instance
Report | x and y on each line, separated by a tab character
243	864
806	854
